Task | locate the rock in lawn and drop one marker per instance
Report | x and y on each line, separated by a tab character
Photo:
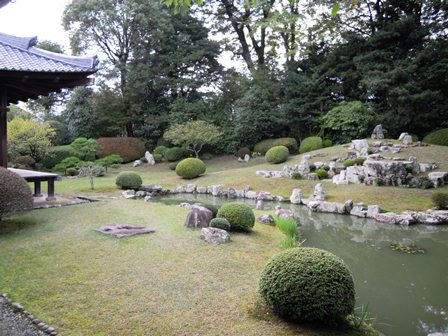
150	159
378	132
198	217
137	163
266	219
284	213
319	194
215	235
296	196
128	194
124	230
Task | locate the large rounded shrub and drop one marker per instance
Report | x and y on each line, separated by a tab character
439	137
277	154
263	146
309	144
160	150
128	180
175	154
190	168
308	285
15	195
240	216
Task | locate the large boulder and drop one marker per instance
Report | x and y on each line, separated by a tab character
331	207
393	218
198	217
318	194
438	178
378	132
353	174
150	158
215	235
304	165
266	219
360	146
390	171
407	139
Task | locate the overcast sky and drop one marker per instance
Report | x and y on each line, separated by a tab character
41	18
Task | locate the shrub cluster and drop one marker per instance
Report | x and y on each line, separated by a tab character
263	146
240	216
160	150
158	158
220	223
71	172
309	144
172	165
129	149
15	195
128	180
242	152
56	154
348	163
308	285
439	137
327	143
175	154
322	173
190	168
277	154
440	200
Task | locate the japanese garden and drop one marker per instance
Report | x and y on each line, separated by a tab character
225	167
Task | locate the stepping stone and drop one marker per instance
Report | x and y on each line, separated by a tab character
124	230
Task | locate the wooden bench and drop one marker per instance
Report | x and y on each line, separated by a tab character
38	177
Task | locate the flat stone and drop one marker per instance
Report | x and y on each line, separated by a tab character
266	219
128	194
359	210
251	194
215	235
372	211
124	230
140	194
330	207
393	218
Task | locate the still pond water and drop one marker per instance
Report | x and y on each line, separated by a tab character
407	293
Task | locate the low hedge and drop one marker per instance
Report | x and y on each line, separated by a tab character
15	194
175	154
263	146
310	144
277	154
240	216
439	137
190	168
307	284
56	154
130	149
128	180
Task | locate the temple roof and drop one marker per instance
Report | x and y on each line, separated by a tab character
4	3
20	54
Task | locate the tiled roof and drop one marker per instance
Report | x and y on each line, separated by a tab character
20	54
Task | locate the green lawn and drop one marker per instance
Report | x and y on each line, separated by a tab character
166	283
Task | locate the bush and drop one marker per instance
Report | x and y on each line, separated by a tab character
439	137
128	180
85	149
15	195
56	154
309	144
158	158
110	161
240	216
190	168
173	165
129	149
175	154
296	176
242	152
359	161
327	143
277	154
263	146
308	285
220	223
160	150
70	162
348	163
25	160
71	171
322	173
440	200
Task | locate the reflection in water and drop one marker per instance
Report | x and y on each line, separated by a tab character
408	293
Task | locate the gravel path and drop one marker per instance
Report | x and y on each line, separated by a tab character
12	324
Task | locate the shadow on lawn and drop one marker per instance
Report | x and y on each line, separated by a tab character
13	224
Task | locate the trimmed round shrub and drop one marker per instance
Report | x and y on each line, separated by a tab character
322	173
277	154
309	144
242	152
158	158
172	165
348	163
190	168
15	194
128	180
129	149
220	223
440	200
160	150
327	143
263	146
308	285
240	216
175	154
359	161
439	137
71	172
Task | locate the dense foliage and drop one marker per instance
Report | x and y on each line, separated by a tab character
15	195
308	285
128	180
56	154
263	146
85	149
309	144
129	149
440	200
240	216
277	154
190	168
439	137
175	154
220	223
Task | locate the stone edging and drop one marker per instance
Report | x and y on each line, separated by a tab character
39	324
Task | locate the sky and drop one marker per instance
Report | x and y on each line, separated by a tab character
41	18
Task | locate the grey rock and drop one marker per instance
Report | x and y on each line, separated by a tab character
198	217
407	139
265	196
393	218
425	167
150	158
360	146
296	196
246	158
313	177
185	205
137	163
217	189
392	172
318	165
128	194
215	235
359	210
190	188
239	193
402	135
348	205
201	190
259	205
231	193
251	194
438	178
284	213
140	194
438	334
340	178
378	132
247	188
180	190
304	165
148	198
279	198
331	207
353	174
372	211
17	306
432	217
319	193
266	219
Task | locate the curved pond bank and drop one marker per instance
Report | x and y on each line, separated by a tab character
406	292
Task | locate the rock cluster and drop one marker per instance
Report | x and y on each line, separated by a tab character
378	132
215	235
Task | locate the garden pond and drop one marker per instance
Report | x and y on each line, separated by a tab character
401	273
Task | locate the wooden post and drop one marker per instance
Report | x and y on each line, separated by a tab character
3	128
37	189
